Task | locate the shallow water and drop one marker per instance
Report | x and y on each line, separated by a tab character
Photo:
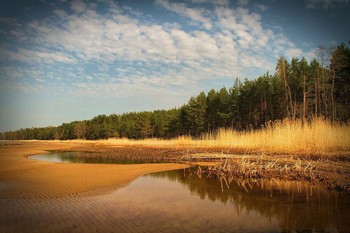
71	157
175	202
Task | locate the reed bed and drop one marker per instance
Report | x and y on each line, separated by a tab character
269	175
288	137
252	169
317	137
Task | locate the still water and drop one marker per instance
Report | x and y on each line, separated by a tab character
71	157
175	201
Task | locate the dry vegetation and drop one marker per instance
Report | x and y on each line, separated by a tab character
317	152
289	137
317	138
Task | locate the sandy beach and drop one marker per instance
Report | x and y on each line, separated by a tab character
23	178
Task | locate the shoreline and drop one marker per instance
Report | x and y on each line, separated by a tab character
23	178
329	171
47	179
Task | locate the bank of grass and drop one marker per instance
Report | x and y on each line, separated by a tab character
318	137
288	137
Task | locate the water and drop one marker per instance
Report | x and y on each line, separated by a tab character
176	202
265	206
71	157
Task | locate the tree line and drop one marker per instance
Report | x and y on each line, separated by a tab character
298	90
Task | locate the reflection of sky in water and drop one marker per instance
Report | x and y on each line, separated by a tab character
170	202
53	157
72	157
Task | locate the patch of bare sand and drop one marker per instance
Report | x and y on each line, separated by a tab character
25	178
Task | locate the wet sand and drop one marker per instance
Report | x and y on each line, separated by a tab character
23	178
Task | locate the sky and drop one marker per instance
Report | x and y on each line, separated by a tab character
64	60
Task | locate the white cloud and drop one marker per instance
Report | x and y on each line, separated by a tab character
78	6
22	79
144	57
195	14
294	52
137	85
60	13
33	56
91	36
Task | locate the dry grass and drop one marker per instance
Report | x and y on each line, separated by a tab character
288	137
319	137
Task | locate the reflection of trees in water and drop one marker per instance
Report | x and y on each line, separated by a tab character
296	205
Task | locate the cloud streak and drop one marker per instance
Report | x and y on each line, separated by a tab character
195	14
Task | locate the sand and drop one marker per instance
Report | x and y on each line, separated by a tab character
23	178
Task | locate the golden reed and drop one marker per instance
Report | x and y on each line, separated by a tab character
317	137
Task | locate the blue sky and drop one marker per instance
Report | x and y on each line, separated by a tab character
72	60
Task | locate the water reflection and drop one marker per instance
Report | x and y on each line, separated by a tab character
298	206
79	157
175	202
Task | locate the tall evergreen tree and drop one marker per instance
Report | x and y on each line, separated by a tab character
340	67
